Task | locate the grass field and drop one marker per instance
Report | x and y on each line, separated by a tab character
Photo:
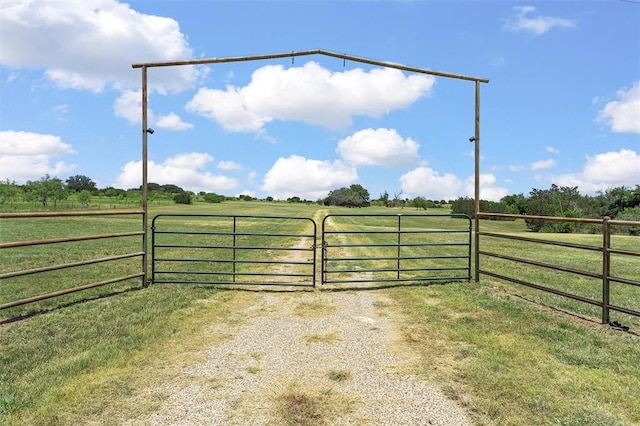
508	354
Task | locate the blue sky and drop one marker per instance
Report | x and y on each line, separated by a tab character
562	105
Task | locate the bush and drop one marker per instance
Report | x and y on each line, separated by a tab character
632	214
213	198
182	198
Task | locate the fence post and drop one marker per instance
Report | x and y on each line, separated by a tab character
398	249
606	267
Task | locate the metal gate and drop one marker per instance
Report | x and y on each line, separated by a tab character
395	248
277	250
233	249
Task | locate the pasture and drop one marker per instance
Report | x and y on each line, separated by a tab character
507	354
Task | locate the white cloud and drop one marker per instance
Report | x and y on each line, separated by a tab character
310	94
536	165
552	150
184	170
384	147
27	156
129	106
59	112
521	20
488	189
603	171
623	115
543	164
305	178
92	43
426	182
172	121
229	165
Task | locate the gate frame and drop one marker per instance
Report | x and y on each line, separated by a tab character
146	130
234	233
398	232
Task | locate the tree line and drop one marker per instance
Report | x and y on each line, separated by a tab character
561	201
49	191
620	203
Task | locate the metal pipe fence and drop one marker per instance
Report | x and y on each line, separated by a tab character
395	248
609	264
58	255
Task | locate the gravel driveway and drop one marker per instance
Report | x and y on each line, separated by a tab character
305	358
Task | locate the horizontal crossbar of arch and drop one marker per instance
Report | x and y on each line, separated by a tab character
294	54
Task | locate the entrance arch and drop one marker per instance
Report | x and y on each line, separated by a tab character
146	130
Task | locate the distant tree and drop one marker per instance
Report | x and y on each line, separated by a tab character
556	201
361	191
354	196
112	192
80	183
422	203
517	204
84	198
152	186
45	190
9	192
171	189
212	197
294	199
618	199
630	214
269	198
182	198
384	198
463	205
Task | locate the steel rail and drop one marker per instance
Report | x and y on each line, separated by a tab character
69	290
68	265
68	239
69	213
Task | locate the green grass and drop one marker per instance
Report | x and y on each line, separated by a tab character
88	360
505	359
508	361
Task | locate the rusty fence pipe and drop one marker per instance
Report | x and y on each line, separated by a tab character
606	268
606	278
67	265
67	239
69	213
321	52
476	208
67	291
17	244
145	191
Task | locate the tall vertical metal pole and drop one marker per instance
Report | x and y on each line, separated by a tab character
606	268
145	235
477	184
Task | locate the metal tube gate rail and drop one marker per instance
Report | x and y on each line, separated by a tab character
69	239
604	275
396	248
233	249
